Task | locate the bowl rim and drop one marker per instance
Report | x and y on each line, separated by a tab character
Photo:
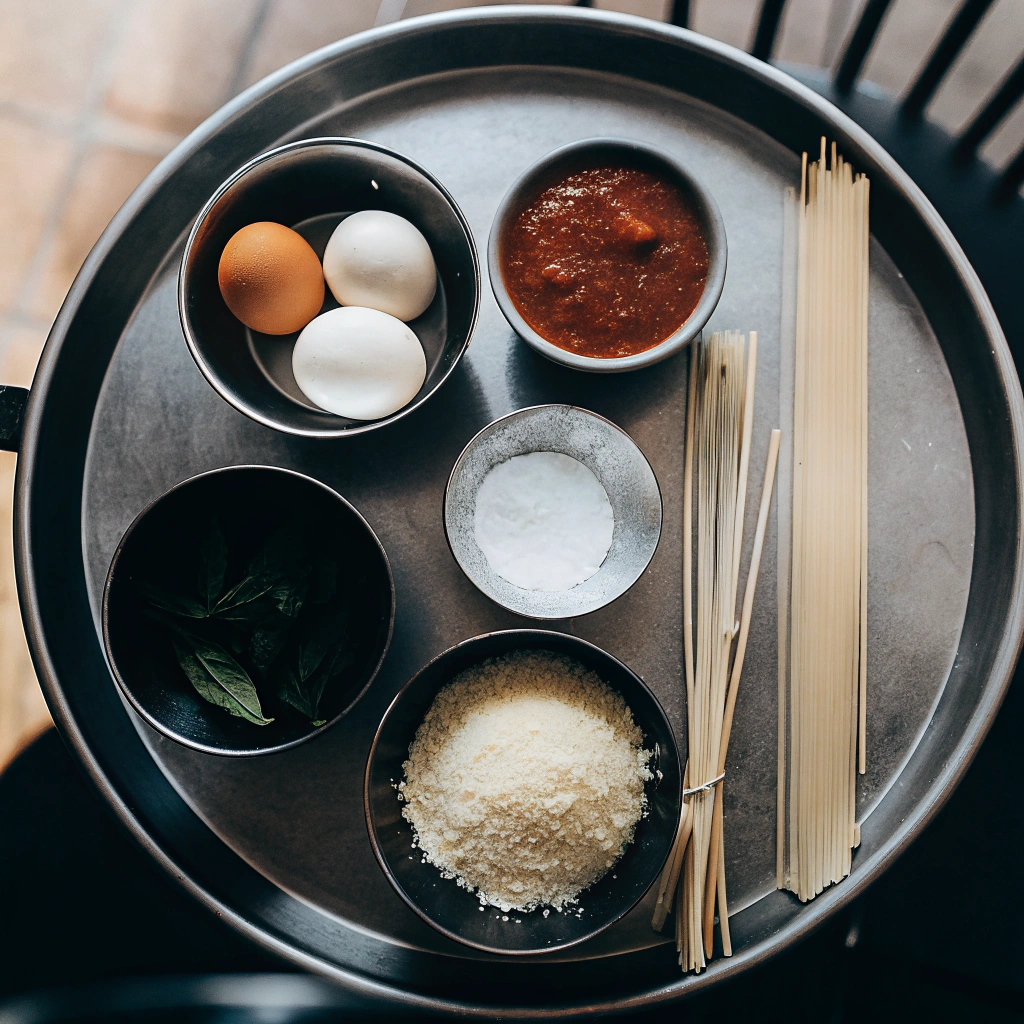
511	634
126	690
515	413
718	259
195	348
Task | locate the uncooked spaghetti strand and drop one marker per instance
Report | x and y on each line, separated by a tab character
715	871
862	299
723	901
794	762
719	424
822	706
725	466
711	877
718	408
784	537
688	524
672	870
748	595
748	429
670	873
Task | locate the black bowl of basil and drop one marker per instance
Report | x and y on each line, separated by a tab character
246	610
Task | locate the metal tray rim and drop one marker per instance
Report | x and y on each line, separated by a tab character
1003	662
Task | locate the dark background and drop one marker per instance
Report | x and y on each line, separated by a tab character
939	937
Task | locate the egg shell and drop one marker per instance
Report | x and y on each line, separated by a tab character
359	363
380	260
270	278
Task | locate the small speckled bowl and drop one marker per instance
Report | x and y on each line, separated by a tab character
610	454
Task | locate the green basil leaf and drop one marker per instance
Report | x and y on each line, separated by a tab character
246	616
284	557
323	650
218	678
341	658
312	650
283	549
268	640
213	564
294	693
323	638
168	602
289	595
256	599
250	589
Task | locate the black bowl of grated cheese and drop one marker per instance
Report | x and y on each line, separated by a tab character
522	792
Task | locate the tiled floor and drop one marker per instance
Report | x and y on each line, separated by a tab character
94	92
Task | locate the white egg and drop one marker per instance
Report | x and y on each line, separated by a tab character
358	362
382	261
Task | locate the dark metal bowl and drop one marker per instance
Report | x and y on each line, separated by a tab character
453	910
579	156
249	502
312	186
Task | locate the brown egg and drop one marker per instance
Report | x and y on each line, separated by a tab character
271	279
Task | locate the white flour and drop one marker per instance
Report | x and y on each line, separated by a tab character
543	521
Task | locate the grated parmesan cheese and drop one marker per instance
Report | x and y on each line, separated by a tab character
525	780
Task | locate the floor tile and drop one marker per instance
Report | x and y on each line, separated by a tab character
839	16
23	713
176	62
906	37
415	8
803	32
995	48
656	9
294	28
104	180
731	21
33	164
49	50
19	352
112	131
1007	141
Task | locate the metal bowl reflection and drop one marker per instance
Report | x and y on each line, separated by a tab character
610	454
456	912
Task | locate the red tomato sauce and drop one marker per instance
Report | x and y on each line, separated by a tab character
608	262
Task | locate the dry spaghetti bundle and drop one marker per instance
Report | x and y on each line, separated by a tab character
718	435
822	709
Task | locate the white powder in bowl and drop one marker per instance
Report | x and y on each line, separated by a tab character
543	521
525	780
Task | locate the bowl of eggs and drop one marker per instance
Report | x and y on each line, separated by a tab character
329	287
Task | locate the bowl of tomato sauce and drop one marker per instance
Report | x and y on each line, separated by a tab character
607	255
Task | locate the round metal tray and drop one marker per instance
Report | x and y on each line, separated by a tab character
119	413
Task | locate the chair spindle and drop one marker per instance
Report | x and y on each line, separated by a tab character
945	52
767	28
680	13
1011	89
860	43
